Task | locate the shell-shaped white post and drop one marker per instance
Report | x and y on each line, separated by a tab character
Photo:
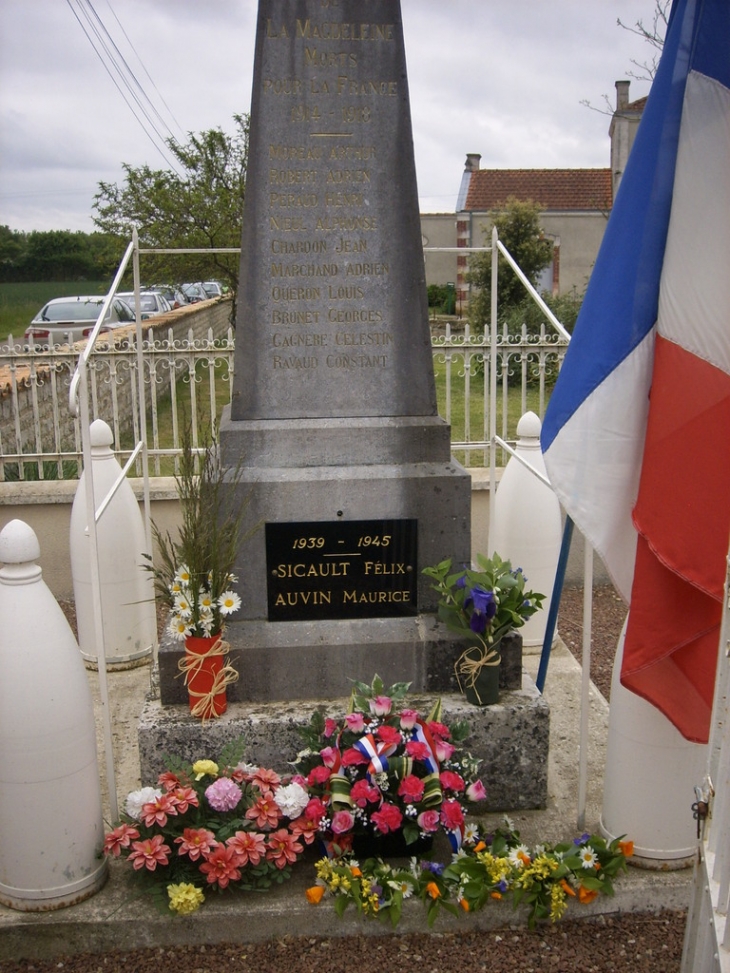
127	591
51	828
527	528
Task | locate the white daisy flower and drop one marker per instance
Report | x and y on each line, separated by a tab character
515	855
205	600
588	857
229	602
471	834
183	574
179	628
403	886
183	607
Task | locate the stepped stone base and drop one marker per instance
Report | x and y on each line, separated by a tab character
511	738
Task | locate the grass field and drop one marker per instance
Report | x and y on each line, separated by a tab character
19	303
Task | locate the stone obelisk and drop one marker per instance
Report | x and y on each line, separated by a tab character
346	462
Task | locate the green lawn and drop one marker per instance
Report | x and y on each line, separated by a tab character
19	303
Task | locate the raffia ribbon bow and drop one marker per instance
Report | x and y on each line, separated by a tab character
471	668
191	664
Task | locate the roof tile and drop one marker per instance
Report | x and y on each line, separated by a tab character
554	189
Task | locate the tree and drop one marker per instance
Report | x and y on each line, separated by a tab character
653	35
518	226
201	207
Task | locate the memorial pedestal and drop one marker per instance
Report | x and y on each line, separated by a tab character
510	737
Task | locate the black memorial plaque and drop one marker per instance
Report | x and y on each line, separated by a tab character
342	569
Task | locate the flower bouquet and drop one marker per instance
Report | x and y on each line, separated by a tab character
482	605
385	772
194	577
487	868
211	826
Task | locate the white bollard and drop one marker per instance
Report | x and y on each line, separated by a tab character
649	780
51	828
527	527
127	590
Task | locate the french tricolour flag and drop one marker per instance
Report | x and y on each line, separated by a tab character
637	433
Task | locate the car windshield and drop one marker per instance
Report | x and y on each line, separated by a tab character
71	311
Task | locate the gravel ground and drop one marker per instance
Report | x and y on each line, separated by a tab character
636	942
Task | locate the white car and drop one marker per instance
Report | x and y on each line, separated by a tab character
151	303
69	319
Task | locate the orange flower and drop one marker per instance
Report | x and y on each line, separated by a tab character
586	895
525	859
314	894
433	890
355	871
496	895
566	888
480	846
627	848
464	905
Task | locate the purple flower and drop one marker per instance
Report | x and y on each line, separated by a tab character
223	794
436	868
582	840
483	601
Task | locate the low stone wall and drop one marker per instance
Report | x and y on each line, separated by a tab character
43	380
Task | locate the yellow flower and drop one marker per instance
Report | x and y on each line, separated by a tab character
184	898
314	894
558	902
203	767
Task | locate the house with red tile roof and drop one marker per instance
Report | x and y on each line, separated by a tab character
575	205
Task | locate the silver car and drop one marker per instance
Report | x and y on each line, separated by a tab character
151	303
69	319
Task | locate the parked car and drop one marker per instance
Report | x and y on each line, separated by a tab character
194	293
213	288
173	295
151	303
70	319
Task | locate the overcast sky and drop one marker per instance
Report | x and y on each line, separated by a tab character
504	78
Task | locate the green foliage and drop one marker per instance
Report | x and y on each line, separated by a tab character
200	208
485	603
442	298
565	307
57	255
518	226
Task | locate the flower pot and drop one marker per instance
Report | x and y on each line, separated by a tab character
205	678
391	845
477	672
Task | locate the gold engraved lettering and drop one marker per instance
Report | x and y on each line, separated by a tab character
347	224
352	153
320	569
300	153
304	270
367	270
298	246
295	293
382	567
328	59
298	340
294	363
293	200
294	317
355	597
357	361
351	246
340	176
282	86
287	224
345	293
354	316
318	87
344	199
271	31
292	177
355	87
359	338
335	31
291	599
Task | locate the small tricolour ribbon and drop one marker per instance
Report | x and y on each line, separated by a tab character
191	664
377	753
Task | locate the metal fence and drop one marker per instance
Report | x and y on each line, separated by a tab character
187	380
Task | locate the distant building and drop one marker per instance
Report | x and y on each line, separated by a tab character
576	205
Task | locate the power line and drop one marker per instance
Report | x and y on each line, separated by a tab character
134	98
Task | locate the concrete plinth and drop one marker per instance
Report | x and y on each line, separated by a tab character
511	737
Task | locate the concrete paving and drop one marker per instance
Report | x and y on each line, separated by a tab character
116	916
